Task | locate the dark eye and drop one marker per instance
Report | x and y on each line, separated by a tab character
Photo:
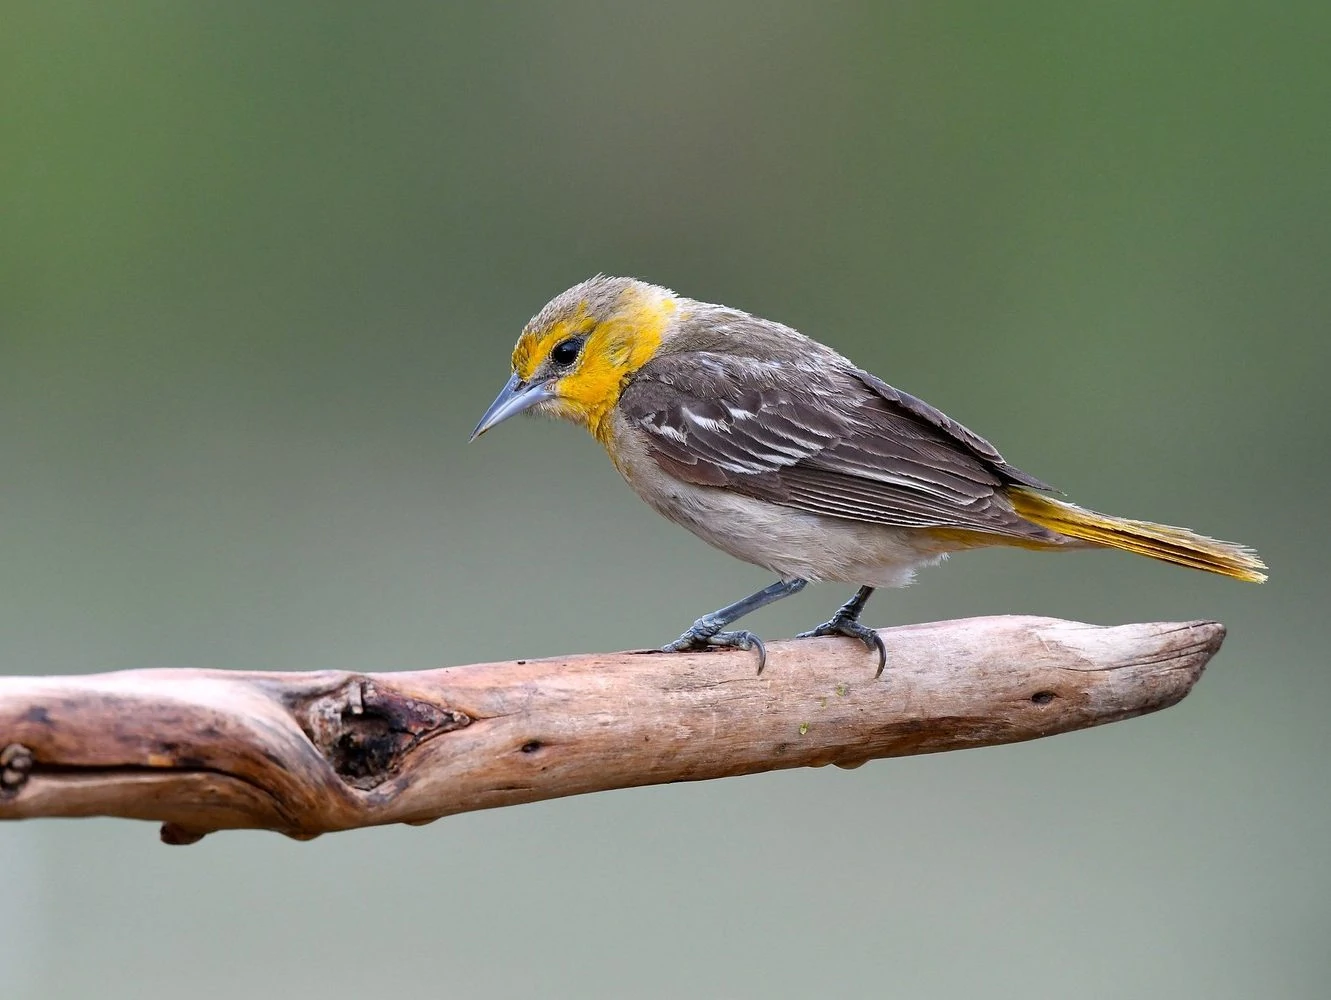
566	351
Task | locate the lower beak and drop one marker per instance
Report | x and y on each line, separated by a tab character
513	399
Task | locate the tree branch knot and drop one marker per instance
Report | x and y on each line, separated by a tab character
364	730
15	766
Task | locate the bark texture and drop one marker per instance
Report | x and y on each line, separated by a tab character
310	753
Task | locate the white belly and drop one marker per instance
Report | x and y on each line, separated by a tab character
791	543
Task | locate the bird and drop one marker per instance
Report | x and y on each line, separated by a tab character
779	451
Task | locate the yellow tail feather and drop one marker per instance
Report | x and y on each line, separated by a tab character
1159	541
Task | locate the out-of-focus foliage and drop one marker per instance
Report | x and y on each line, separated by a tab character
262	266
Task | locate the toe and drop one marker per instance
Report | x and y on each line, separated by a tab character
822	631
692	641
741	640
686	642
852	630
748	640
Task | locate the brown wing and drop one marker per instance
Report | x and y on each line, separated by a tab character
836	442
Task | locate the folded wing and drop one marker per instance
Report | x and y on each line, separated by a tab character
828	440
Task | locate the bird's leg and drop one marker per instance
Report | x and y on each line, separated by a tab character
706	631
847	622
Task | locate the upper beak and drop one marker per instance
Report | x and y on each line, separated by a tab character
513	399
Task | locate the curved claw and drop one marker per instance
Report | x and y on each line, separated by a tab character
695	639
878	644
852	630
747	640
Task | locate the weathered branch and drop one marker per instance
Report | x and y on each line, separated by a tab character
304	754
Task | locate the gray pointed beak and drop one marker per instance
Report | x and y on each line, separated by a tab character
513	399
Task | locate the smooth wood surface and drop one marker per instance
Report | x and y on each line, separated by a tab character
310	753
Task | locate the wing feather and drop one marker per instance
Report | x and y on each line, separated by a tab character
823	439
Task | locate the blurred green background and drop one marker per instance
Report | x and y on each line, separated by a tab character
262	267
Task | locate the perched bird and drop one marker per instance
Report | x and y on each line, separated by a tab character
776	449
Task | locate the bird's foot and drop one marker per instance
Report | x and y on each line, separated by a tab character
851	629
704	636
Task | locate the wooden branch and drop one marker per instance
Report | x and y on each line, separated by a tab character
304	754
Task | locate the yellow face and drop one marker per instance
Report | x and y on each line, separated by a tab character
574	356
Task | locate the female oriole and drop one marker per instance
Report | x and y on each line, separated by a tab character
778	450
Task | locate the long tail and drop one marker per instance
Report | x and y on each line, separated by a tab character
1159	541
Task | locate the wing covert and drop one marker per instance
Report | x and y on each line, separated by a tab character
831	441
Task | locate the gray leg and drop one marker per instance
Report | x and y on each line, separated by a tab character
847	622
706	631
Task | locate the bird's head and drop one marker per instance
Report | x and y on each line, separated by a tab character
575	355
